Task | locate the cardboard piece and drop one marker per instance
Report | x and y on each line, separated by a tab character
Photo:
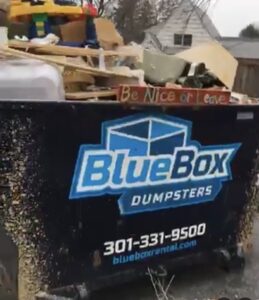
216	58
107	34
73	31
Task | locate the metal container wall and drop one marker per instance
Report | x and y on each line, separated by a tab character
73	226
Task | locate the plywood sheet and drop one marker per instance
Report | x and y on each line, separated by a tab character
217	59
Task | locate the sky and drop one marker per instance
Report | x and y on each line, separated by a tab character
231	16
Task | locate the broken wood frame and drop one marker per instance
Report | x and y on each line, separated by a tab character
69	51
89	70
91	95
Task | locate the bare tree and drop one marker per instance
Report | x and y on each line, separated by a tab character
101	5
250	31
133	17
164	9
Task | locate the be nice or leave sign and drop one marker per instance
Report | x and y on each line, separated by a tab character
148	95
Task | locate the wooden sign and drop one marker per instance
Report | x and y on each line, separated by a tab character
172	96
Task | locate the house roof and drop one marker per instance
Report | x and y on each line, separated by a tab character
205	19
241	47
156	28
207	22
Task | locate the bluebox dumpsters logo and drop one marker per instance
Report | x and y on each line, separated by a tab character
152	163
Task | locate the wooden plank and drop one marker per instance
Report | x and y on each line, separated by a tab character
90	95
172	96
67	51
70	76
90	70
59	58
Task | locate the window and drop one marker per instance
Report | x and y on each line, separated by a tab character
187	40
178	38
183	39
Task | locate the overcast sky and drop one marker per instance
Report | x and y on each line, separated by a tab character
230	16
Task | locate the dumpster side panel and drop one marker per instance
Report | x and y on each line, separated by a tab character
8	267
21	183
68	237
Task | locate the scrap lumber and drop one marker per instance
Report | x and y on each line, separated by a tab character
59	58
68	51
90	95
71	76
90	70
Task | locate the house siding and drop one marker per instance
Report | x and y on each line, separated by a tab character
184	21
150	44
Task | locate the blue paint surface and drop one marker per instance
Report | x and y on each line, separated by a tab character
151	161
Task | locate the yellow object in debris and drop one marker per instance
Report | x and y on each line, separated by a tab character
20	8
40	28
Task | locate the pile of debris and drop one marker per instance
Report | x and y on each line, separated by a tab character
132	74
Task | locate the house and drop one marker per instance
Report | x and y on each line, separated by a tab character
187	26
246	51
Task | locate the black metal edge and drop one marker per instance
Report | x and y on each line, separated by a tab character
45	104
